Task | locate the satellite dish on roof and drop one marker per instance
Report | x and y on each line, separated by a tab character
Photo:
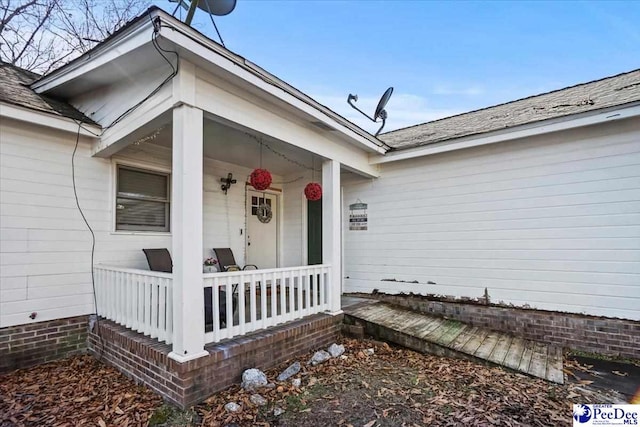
212	7
216	7
380	112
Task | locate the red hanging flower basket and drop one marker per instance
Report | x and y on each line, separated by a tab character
313	191
260	179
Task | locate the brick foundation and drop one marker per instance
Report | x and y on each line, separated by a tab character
146	361
614	337
28	345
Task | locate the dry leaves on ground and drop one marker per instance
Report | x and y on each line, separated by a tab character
391	387
74	392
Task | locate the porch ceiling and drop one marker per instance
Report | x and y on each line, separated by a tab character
227	144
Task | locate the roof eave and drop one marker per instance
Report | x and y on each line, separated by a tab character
47	119
132	36
574	121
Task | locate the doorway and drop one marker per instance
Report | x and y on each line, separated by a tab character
262	229
314	232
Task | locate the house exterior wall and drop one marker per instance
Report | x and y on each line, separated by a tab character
45	248
45	253
550	222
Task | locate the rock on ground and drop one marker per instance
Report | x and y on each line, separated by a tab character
319	357
257	400
336	350
253	379
289	372
369	352
232	407
296	382
278	411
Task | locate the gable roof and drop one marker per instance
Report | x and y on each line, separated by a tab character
604	93
14	89
156	16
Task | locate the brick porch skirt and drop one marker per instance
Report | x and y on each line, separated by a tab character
610	336
146	361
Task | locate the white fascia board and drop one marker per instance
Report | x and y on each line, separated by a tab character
42	118
524	131
202	47
129	40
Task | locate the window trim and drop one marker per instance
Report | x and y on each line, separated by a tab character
145	168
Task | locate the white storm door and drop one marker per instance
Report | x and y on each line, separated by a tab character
262	235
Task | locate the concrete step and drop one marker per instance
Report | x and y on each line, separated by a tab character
447	337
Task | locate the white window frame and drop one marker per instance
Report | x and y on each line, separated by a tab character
142	167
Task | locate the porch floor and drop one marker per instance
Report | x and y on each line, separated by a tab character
432	334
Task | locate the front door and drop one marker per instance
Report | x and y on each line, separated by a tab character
262	229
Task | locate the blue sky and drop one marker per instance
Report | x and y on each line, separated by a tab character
443	58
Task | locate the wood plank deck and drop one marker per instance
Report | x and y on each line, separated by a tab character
532	358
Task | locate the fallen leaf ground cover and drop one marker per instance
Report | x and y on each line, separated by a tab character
391	387
77	391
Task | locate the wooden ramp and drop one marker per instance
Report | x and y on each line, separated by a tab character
445	337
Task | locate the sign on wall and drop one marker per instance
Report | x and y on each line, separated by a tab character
358	216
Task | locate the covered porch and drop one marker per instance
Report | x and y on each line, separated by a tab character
202	154
201	329
191	304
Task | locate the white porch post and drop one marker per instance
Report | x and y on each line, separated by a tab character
186	231
331	230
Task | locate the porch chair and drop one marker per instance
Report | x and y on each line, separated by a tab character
227	261
160	260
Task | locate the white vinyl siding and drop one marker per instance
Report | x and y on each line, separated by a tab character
546	222
295	249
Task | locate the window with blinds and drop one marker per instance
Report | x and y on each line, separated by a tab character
142	200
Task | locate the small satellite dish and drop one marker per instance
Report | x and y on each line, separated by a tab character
380	112
212	7
217	7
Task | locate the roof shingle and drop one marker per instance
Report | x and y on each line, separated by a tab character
14	89
608	92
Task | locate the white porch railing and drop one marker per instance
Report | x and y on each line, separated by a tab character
142	300
263	298
137	299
